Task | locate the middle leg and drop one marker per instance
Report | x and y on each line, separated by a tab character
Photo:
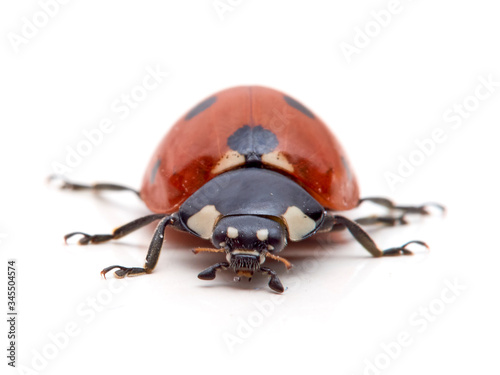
337	222
117	233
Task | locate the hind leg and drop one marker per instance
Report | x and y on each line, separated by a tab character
65	184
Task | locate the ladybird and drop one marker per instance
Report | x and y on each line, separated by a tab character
249	169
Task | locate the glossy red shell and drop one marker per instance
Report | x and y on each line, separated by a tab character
185	158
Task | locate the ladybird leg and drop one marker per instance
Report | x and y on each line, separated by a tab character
422	209
329	226
274	282
65	184
117	233
153	252
365	240
386	220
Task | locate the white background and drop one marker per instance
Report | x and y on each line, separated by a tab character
342	306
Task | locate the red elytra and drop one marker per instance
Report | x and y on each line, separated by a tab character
192	151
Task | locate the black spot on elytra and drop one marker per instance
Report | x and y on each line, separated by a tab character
200	107
154	171
252	141
299	106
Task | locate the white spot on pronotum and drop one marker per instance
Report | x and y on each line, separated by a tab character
232	232
278	160
229	160
203	221
262	234
299	224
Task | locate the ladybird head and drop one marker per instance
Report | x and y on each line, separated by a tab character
247	241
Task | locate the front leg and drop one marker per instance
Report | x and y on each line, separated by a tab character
153	252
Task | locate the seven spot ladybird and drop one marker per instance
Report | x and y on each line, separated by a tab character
248	168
